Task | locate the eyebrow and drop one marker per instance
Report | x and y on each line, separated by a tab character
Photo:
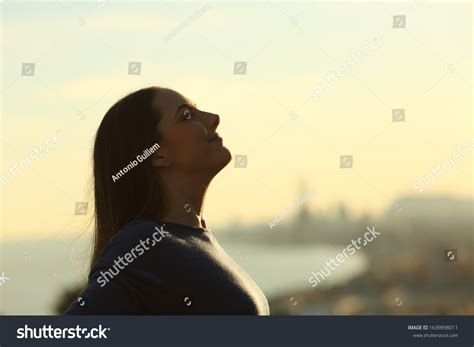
183	105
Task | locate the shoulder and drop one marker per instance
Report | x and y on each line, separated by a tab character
140	230
139	234
137	227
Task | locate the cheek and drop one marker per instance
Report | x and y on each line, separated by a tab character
200	154
190	148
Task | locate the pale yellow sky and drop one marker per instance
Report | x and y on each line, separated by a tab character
425	68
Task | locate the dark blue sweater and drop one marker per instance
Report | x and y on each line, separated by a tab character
153	267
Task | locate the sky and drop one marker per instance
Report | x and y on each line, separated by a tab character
293	141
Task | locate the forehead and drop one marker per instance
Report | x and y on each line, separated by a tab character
167	102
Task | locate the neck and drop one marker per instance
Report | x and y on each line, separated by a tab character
185	199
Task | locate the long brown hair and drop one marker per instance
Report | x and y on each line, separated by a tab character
128	128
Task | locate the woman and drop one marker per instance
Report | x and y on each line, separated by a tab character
155	154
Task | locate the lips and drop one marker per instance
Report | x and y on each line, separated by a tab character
215	137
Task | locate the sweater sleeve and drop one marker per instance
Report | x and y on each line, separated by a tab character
115	298
115	283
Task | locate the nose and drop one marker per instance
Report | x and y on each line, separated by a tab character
214	120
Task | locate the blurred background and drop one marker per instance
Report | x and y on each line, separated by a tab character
339	116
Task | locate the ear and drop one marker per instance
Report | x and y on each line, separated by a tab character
160	158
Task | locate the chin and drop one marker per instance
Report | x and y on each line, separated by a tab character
228	155
225	158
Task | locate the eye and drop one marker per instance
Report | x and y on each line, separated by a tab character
187	114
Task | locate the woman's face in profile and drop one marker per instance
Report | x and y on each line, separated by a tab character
188	135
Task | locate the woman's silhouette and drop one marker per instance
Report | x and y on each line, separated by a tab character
155	154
